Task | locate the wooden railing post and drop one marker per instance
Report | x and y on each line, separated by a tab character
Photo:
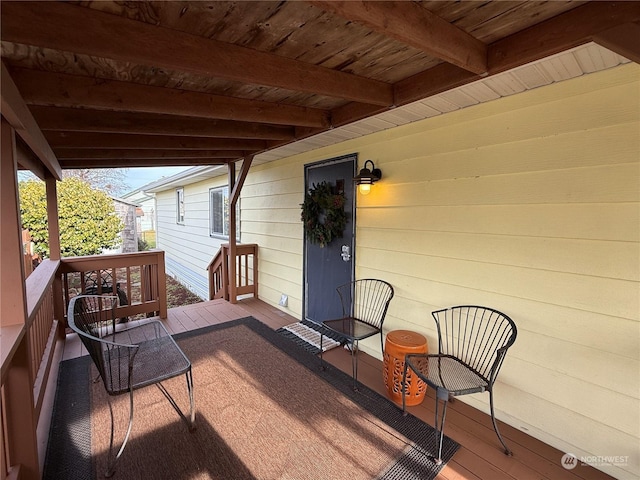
255	271
225	272
245	279
58	306
21	422
162	285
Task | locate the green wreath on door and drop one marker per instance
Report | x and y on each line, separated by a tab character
323	214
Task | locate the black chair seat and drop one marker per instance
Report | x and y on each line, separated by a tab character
447	374
352	328
472	344
364	307
158	358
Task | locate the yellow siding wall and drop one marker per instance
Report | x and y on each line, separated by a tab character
529	204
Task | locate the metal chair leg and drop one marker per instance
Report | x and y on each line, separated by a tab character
192	412
110	470
322	367
440	426
495	426
111	462
404	389
354	364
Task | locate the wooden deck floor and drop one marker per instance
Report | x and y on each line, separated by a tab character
480	455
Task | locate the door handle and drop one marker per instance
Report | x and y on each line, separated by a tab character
346	253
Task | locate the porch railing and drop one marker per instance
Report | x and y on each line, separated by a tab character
137	279
27	356
246	272
42	326
28	350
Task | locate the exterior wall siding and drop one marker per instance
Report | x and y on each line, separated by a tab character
529	204
188	246
196	282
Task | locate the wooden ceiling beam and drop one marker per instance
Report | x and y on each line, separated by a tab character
72	91
87	31
623	40
563	32
132	154
431	82
558	34
27	160
352	112
87	140
16	112
82	120
148	162
412	24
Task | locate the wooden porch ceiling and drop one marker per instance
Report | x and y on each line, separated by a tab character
130	84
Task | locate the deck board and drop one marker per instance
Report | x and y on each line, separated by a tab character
480	456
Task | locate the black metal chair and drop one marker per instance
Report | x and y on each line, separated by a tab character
364	307
472	344
128	359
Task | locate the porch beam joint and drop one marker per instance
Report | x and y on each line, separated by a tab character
91	32
414	25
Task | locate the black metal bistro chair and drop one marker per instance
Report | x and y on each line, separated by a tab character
364	307
128	359
472	344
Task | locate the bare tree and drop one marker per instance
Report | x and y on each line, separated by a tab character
110	180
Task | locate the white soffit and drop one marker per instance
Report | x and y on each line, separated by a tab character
588	58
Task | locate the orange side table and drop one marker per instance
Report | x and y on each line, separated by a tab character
397	344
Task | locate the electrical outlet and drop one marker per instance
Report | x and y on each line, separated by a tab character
284	300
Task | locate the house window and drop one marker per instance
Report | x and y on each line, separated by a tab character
180	205
219	212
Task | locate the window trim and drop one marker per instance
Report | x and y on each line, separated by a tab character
180	202
225	192
225	196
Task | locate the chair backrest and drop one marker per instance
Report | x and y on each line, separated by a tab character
367	300
479	336
93	318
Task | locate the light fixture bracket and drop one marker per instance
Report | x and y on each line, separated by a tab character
368	176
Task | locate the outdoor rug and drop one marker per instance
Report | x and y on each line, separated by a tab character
264	410
306	334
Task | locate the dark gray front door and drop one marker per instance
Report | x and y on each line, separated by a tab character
325	268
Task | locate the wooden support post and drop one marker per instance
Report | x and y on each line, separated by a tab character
18	385
13	304
52	218
233	286
54	250
235	187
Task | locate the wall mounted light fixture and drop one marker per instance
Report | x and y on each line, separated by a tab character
367	177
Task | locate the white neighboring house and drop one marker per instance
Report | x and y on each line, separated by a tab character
192	222
146	212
